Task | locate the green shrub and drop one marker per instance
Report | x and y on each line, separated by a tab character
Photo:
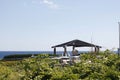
91	67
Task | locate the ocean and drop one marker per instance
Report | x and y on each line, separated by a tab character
4	53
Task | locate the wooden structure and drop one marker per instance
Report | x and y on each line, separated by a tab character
76	43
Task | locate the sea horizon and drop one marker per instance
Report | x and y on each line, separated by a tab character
5	53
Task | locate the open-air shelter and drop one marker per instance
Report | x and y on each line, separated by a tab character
76	43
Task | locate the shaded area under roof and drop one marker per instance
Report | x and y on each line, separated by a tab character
76	43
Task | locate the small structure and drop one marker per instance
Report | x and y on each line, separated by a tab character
75	43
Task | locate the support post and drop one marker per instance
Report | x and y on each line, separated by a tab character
55	51
95	49
98	49
73	48
118	51
65	50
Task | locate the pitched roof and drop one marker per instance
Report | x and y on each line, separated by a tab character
76	43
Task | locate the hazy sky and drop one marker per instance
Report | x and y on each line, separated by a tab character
39	24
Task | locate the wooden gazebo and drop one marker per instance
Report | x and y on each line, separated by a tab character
76	43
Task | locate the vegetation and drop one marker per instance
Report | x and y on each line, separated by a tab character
21	56
99	66
17	56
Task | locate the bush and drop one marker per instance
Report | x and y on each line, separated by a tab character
42	67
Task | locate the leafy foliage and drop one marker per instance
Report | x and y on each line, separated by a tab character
100	66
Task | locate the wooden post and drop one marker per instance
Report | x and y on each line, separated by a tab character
55	51
73	48
65	50
98	49
95	49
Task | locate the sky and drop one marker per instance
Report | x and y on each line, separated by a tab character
36	25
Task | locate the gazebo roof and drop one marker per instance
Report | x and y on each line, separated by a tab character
76	43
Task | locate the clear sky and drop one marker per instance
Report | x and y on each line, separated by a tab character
39	24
